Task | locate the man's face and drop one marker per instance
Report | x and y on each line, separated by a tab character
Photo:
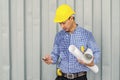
67	25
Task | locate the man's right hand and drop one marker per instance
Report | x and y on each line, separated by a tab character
47	59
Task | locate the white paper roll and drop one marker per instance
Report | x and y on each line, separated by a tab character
87	57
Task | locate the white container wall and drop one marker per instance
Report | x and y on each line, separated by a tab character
27	33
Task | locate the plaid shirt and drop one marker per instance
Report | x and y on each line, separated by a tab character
61	55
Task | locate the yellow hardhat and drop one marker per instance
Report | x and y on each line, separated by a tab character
63	12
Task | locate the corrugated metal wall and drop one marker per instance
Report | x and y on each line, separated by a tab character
27	32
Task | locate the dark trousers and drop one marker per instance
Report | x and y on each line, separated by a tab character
78	78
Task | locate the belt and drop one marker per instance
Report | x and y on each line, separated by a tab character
73	75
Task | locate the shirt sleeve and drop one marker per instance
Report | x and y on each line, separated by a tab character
94	47
55	52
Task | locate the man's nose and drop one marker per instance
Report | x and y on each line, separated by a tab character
62	25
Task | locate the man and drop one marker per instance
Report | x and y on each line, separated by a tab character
71	34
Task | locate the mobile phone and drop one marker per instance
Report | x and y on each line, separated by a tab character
44	59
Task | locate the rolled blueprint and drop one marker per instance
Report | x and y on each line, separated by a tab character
87	57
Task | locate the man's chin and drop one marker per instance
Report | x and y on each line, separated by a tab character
66	30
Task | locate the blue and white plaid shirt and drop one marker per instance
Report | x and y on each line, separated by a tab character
67	62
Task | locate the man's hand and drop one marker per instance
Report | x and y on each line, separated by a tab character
47	59
90	64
